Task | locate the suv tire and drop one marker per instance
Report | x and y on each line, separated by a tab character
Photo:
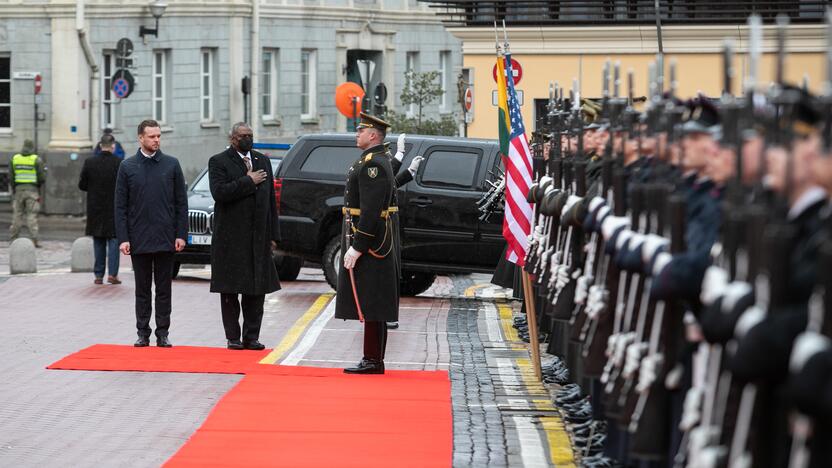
288	268
415	282
331	261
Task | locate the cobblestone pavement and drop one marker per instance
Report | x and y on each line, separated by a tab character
75	418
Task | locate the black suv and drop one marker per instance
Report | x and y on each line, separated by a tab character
440	227
201	224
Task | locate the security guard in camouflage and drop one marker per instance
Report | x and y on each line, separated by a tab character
368	279
26	175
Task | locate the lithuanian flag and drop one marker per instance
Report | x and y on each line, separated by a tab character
503	124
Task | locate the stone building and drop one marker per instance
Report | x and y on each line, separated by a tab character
188	66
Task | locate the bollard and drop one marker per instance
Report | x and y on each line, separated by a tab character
82	255
22	257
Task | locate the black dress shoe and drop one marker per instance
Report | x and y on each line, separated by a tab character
367	366
392	325
255	345
142	342
163	342
235	344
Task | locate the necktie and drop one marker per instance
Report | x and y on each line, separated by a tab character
247	160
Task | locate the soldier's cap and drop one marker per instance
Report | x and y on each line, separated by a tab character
371	121
592	126
800	112
701	116
28	147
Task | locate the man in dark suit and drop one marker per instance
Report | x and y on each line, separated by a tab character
368	281
151	223
245	233
98	179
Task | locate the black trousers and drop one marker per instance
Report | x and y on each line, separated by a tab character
252	306
153	267
375	339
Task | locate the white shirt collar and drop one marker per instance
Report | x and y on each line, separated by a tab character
147	155
248	154
811	196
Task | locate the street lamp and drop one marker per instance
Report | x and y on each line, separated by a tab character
157	9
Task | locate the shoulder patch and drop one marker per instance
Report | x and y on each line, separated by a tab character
372	172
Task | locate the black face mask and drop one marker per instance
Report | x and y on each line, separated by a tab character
244	143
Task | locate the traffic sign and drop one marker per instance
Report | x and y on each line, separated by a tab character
124	47
516	71
25	75
123	84
468	103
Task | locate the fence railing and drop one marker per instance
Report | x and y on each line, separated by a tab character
622	12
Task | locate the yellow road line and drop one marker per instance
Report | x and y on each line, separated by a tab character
506	321
300	325
560	449
471	291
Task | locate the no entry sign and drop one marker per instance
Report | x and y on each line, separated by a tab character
516	71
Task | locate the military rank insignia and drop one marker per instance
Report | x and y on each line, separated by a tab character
372	172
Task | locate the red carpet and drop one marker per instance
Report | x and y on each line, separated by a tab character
300	416
194	359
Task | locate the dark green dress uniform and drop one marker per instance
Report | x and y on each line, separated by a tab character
369	219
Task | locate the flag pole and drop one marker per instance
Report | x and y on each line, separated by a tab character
528	288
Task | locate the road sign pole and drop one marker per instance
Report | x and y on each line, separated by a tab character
36	91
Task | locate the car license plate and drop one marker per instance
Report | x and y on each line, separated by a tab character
199	240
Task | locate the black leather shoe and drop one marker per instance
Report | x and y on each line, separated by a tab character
142	342
235	344
255	345
392	325
163	342
366	366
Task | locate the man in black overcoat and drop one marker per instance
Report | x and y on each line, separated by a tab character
368	280
98	179
245	233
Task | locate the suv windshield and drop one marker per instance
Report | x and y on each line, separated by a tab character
201	183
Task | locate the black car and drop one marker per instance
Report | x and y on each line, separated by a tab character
201	223
439	220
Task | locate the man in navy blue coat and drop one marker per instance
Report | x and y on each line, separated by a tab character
151	223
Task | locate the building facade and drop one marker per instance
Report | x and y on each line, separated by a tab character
563	42
189	74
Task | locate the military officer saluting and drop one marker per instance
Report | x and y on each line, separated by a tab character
368	280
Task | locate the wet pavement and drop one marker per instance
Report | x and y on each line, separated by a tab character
502	415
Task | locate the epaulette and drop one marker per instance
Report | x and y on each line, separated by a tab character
368	157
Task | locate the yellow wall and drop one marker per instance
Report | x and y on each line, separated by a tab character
694	73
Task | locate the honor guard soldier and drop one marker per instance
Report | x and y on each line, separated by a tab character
368	280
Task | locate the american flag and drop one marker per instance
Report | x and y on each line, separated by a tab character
518	162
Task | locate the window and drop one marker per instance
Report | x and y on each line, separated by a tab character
5	92
268	84
207	92
448	168
308	84
411	65
330	160
160	83
444	76
108	116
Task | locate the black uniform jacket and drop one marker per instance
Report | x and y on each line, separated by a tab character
370	186
245	223
98	179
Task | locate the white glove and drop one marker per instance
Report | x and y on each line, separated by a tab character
350	258
612	224
805	346
400	143
414	165
713	284
652	244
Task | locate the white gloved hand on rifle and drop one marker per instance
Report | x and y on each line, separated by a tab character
414	165
350	258
399	148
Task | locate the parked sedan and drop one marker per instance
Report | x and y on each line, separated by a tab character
201	223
